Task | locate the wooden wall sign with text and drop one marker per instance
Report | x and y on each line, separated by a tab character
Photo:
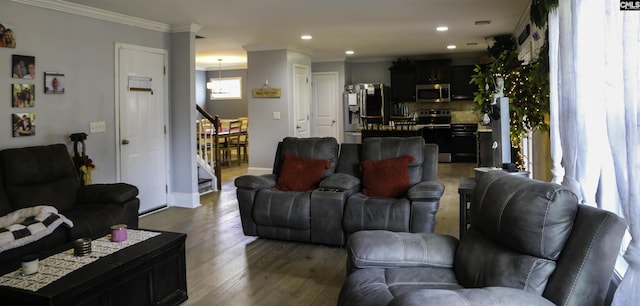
266	93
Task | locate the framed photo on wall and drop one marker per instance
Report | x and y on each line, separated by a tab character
23	95
53	83
24	124
23	67
7	38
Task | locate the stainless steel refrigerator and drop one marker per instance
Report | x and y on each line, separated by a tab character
363	99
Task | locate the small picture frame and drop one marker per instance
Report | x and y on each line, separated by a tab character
7	37
23	95
24	124
53	83
23	67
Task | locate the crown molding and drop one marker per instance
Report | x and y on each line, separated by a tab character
91	12
192	28
277	46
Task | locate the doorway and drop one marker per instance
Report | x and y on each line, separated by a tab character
325	105
302	98
141	110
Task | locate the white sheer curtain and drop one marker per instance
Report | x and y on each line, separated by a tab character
595	94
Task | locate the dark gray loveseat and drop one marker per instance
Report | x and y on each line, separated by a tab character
45	175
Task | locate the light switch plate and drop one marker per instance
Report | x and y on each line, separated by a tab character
98	126
276	115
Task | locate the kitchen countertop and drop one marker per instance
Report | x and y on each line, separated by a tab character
468	117
417	127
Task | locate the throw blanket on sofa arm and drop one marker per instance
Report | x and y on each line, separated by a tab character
27	225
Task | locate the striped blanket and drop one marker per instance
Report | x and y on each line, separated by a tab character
27	225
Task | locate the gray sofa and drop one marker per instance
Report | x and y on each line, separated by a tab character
337	207
529	243
45	175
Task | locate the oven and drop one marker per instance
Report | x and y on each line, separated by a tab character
437	129
464	143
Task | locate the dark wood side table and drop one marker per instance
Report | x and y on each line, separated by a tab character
465	190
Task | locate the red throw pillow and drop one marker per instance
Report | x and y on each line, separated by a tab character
300	173
386	178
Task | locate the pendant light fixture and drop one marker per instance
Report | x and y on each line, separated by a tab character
210	85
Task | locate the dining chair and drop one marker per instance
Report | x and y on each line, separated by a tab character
230	135
243	144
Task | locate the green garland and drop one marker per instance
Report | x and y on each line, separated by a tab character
539	11
527	86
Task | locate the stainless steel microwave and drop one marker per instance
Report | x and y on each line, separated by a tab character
433	93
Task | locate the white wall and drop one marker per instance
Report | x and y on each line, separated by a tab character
83	49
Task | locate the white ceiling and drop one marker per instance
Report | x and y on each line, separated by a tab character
374	29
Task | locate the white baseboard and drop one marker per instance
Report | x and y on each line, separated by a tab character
187	200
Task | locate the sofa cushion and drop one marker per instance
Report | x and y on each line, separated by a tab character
300	173
376	286
42	175
385	249
480	262
489	296
94	221
528	216
286	209
380	148
364	213
323	148
387	178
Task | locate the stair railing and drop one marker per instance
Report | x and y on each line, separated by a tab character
208	152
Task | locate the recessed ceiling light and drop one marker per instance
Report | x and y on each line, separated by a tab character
349	52
442	29
451	46
306	37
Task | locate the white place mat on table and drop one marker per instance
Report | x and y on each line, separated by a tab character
56	266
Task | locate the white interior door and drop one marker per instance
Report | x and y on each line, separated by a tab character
142	110
302	99
325	103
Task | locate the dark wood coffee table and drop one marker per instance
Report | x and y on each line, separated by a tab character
151	272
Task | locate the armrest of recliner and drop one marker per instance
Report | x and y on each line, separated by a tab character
386	249
256	181
106	193
471	296
340	182
426	190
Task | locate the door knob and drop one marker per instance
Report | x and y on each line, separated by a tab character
125	142
333	122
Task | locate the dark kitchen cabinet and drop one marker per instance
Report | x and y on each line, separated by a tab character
433	72
460	78
403	82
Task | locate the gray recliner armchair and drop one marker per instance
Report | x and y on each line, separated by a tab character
280	206
529	243
410	210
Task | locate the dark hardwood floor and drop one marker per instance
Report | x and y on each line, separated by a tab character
225	267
